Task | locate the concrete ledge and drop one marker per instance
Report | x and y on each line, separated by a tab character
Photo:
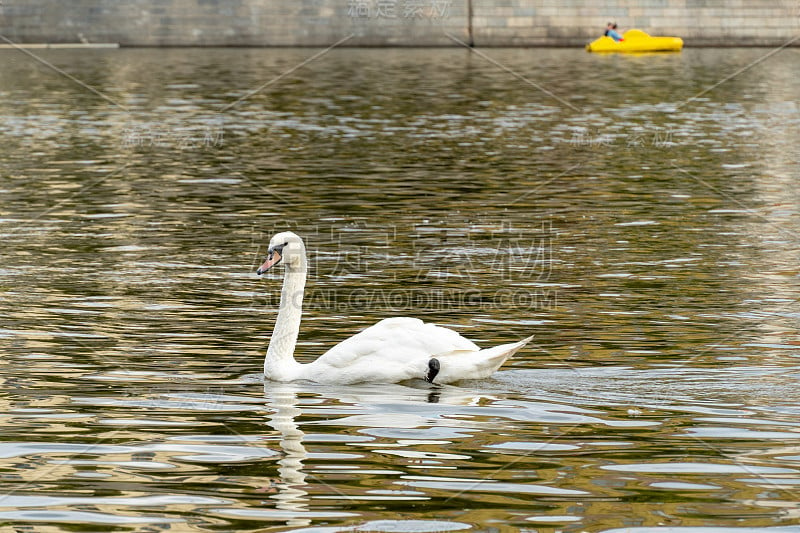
61	45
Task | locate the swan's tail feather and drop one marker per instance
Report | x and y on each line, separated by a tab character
504	351
464	364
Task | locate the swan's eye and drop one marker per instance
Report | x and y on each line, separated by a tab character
277	248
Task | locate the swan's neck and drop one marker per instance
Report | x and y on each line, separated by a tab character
279	364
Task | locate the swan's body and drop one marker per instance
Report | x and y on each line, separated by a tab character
393	350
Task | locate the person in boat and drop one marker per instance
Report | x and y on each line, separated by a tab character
611	31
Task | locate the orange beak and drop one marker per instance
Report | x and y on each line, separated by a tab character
273	259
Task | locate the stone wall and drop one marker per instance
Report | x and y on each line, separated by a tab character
698	22
394	22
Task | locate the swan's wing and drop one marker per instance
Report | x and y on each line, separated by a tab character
392	345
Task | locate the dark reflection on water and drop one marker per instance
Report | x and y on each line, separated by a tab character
647	240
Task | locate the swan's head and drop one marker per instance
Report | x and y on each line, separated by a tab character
285	247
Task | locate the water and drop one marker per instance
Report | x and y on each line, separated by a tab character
643	229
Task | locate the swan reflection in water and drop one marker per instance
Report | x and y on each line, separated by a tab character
367	406
290	496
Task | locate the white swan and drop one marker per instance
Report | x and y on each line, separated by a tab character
393	350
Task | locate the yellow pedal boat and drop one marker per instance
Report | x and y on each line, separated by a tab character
636	41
